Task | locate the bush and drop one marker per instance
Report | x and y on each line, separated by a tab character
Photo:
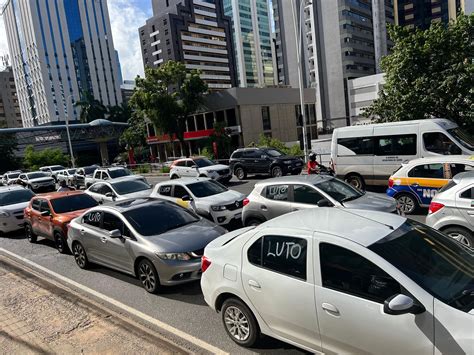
294	150
143	169
165	170
206	152
35	159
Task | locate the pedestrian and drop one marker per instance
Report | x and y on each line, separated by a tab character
63	186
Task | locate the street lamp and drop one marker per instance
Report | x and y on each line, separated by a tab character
73	161
299	45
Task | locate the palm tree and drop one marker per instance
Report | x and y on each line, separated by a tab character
91	109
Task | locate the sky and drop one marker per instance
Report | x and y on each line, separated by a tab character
125	18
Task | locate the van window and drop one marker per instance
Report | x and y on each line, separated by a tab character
357	145
429	171
439	143
396	145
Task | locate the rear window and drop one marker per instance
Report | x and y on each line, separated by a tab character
14	197
119	173
446	187
206	188
73	203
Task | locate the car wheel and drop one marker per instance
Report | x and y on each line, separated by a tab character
32	238
461	234
276	171
80	255
239	322
60	243
253	222
407	203
148	276
356	180
240	173
202	176
174	176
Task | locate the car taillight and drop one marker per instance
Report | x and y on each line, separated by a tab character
435	207
246	201
390	182
205	263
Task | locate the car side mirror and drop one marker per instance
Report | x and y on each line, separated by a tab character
114	234
186	198
401	304
45	213
324	203
110	195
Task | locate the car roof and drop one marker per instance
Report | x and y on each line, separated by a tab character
11	188
184	181
130	204
443	159
443	122
54	195
308	179
251	148
464	178
360	226
123	178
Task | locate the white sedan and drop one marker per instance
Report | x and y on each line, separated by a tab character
340	281
119	189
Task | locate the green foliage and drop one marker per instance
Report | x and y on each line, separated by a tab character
135	135
167	96
91	109
8	146
207	152
119	113
143	169
264	141
35	159
165	169
429	73
221	137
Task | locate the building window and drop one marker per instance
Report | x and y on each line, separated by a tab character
267	125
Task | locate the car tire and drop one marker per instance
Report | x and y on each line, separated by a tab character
240	323
356	181
276	171
407	203
240	173
80	255
174	176
253	222
202	176
60	243
30	235
148	276
461	234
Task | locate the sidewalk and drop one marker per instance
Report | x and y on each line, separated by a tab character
37	319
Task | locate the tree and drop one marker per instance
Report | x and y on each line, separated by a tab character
119	113
35	159
429	73
91	109
135	135
264	141
8	146
167	96
221	138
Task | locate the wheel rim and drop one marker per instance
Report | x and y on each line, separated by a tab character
79	255
237	323
147	276
59	243
240	173
406	203
28	233
277	172
460	238
355	182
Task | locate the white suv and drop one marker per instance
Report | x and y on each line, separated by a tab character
13	200
452	209
200	167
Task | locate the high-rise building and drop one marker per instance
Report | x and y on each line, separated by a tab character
421	14
194	32
10	116
59	50
252	38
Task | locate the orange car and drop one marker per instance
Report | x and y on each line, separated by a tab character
48	215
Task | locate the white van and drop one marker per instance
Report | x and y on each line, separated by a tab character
369	154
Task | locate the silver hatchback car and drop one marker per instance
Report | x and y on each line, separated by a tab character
452	209
157	241
274	197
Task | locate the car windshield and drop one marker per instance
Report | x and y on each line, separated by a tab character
56	168
15	196
439	264
13	176
339	190
206	188
89	170
129	187
71	171
119	173
202	162
464	138
36	175
159	218
274	153
73	203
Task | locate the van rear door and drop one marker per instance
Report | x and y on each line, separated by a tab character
393	145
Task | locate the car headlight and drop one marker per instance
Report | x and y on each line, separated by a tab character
218	208
173	256
4	214
287	161
35	186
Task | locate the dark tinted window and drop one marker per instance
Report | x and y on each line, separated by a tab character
430	171
446	187
277	192
119	173
130	186
306	194
252	154
89	170
179	191
285	255
438	142
37	175
73	203
469	193
348	272
396	145
111	222
357	145
236	155
13	176
206	188
439	264
165	190
463	137
44	206
274	153
36	204
96	188
459	168
180	163
15	196
266	121
158	218
202	162
92	218
339	190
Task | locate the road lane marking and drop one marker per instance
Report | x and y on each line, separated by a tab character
185	336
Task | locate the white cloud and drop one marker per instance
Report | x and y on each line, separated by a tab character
125	18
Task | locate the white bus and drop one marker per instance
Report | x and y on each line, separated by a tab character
369	154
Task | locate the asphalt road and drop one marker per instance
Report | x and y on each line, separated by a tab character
182	307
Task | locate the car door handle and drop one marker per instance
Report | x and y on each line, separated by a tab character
330	308
263	208
254	284
103	239
82	231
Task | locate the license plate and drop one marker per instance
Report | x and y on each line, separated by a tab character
238	216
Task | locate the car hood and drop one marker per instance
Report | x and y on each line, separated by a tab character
43	179
138	194
214	167
15	207
372	201
191	237
220	199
